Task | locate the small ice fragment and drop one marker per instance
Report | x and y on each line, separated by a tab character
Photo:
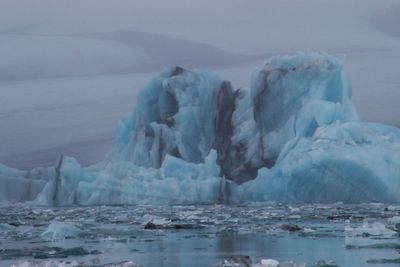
269	263
395	219
127	264
308	230
235	261
291	264
326	263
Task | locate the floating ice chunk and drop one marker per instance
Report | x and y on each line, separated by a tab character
235	261
291	264
48	263
369	229
393	208
61	230
155	219
73	263
269	263
368	234
126	264
394	219
326	263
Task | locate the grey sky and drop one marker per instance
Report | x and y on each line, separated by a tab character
236	25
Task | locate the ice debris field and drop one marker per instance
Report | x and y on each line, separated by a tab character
293	136
267	235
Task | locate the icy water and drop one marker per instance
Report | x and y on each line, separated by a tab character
357	235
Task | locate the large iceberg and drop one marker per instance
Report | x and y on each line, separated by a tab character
293	136
187	113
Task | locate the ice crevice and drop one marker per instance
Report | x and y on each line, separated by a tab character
293	136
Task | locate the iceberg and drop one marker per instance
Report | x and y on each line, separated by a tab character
187	113
174	115
290	97
351	162
176	181
293	136
19	186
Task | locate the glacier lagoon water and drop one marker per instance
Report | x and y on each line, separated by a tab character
350	235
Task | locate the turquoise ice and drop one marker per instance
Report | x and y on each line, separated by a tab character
293	136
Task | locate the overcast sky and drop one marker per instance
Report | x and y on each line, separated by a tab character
251	26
